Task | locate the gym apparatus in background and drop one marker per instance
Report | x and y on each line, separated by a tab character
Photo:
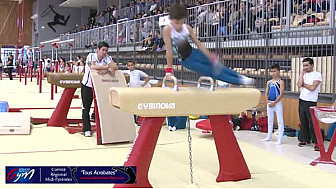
325	115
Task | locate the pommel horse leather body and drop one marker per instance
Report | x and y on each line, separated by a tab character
156	103
188	101
63	80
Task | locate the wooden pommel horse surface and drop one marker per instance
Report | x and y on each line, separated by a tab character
63	80
157	103
70	82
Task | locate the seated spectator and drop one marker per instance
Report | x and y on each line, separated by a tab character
315	5
310	19
160	10
81	66
36	62
78	58
48	66
114	11
122	33
223	21
148	42
113	20
158	41
153	7
234	16
274	9
67	68
241	27
61	65
75	67
30	66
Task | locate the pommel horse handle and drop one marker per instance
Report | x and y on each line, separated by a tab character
175	88
205	78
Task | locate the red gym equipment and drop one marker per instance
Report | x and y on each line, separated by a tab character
325	115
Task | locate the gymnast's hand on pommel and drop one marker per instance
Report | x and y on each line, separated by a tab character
169	73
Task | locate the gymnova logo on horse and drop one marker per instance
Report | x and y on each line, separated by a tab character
156	106
70	81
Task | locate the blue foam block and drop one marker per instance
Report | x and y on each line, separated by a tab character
3	106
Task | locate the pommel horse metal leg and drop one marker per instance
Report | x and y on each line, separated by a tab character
325	156
59	116
70	82
231	167
142	152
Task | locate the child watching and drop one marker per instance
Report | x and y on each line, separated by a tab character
274	93
81	67
67	68
135	78
135	75
75	67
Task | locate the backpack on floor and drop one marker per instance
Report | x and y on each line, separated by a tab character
246	122
236	121
263	124
290	132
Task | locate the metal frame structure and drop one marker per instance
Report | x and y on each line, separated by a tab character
20	39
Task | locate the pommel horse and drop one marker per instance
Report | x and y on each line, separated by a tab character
157	103
70	82
112	124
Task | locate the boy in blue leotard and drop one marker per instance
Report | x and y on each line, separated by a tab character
274	93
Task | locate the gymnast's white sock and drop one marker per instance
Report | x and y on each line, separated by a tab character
246	80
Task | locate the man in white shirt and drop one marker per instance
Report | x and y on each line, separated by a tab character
102	62
310	85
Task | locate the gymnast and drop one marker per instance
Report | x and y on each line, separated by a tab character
177	35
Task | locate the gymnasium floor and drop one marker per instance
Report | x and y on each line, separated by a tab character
271	166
